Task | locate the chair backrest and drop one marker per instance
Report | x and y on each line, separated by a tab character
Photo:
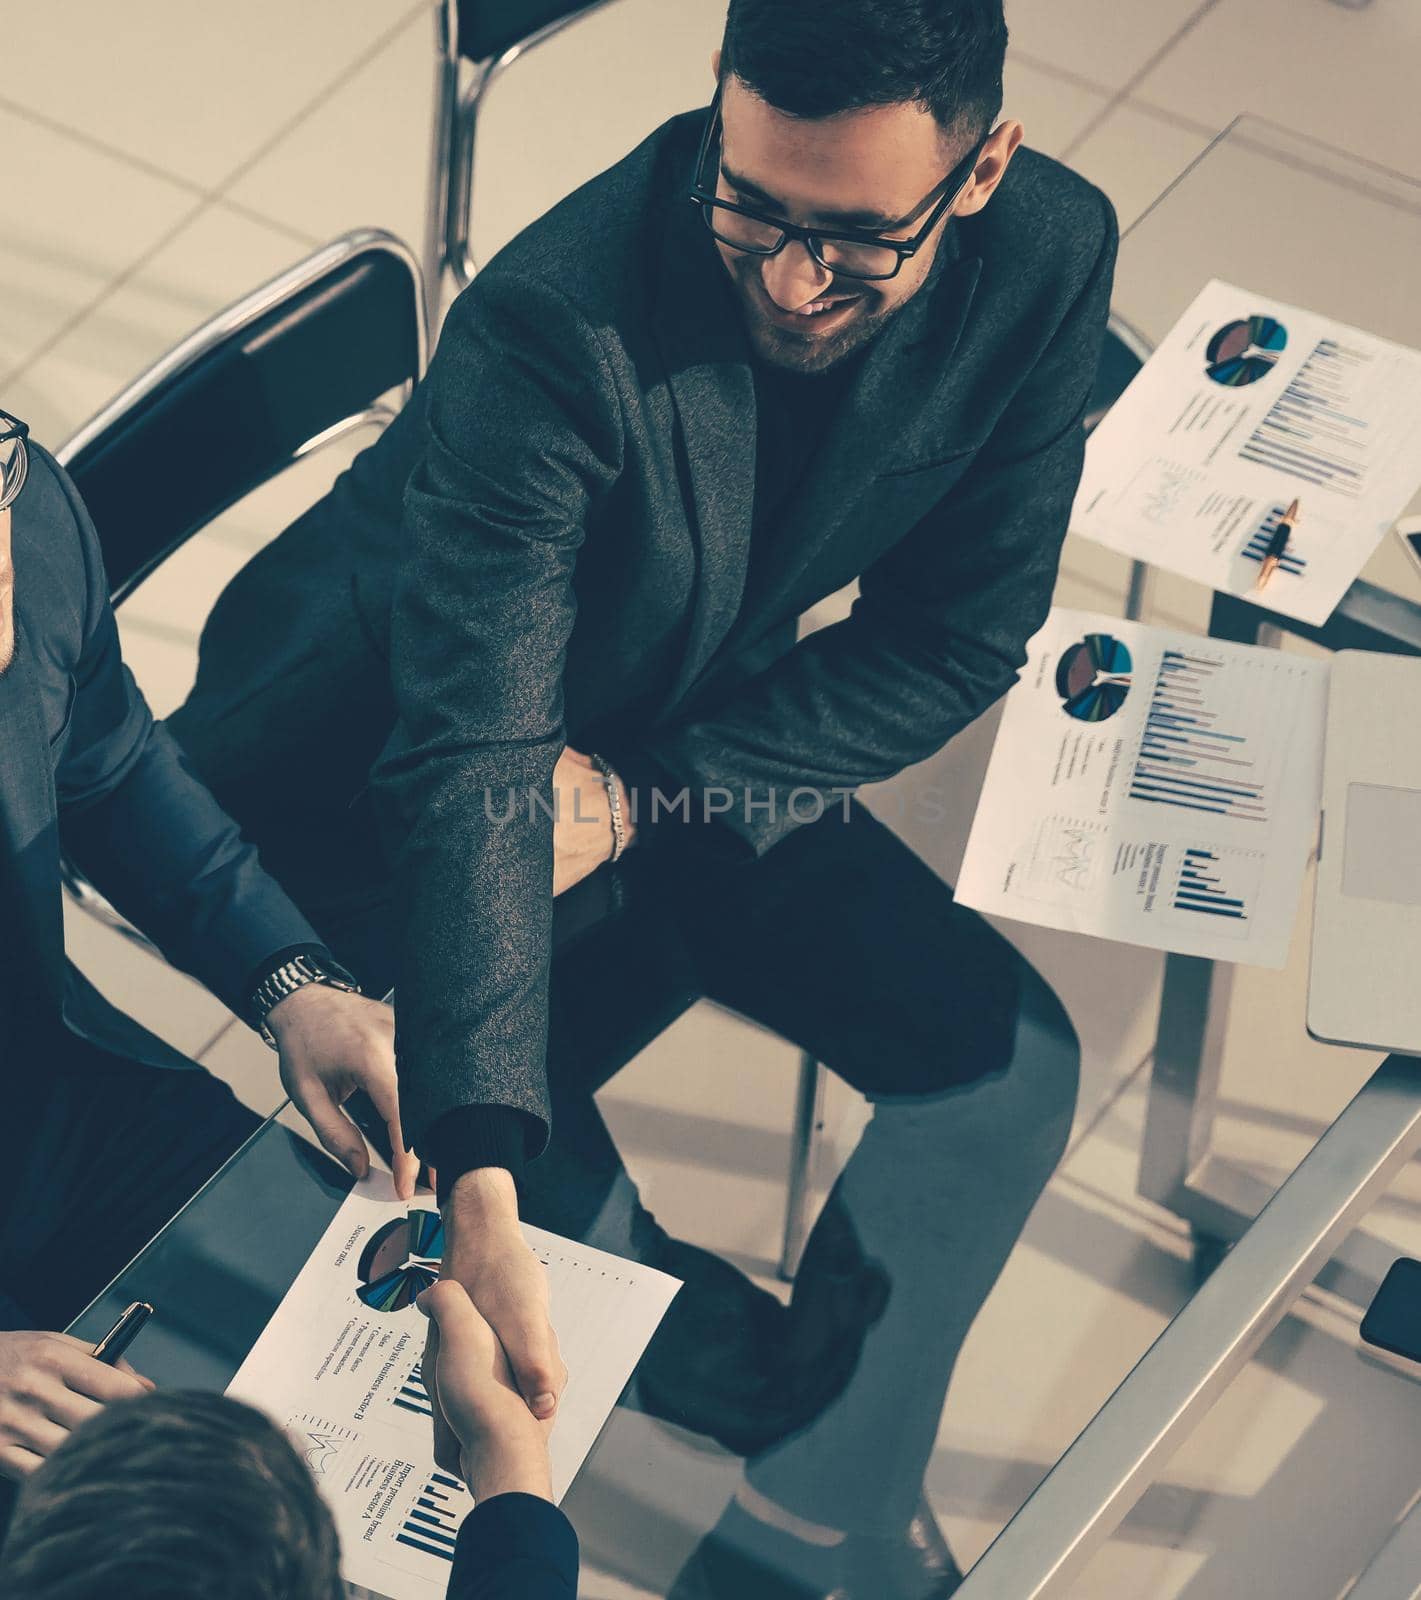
294	363
489	27
1123	352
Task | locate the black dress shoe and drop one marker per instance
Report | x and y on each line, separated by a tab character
743	1559
710	1364
729	1361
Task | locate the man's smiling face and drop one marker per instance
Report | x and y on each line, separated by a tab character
866	169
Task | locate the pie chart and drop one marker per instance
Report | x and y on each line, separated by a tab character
1244	351
400	1261
1093	677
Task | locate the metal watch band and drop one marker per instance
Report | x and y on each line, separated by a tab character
287	979
614	799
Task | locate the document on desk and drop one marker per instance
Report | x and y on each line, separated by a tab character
338	1366
1152	787
1247	405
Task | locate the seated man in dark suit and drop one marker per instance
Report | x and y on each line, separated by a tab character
109	1131
188	1493
653	435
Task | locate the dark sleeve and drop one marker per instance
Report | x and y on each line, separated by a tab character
938	631
515	1547
524	430
139	823
477	1136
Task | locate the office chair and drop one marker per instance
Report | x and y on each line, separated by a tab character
288	369
476	41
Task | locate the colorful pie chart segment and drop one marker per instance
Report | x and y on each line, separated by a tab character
1093	677
1245	350
400	1261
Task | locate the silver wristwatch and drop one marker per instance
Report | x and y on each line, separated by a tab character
287	979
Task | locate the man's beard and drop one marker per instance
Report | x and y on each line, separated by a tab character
7	632
7	587
809	354
7	611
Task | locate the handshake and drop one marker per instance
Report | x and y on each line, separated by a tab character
484	1432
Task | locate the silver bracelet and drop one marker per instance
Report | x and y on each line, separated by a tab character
614	799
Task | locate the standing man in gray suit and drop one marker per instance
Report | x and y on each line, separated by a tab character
840	327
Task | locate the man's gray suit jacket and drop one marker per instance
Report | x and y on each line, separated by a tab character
569	566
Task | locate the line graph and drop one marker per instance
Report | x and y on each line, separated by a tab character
319	1441
1067	854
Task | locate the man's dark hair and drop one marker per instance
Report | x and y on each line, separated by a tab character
168	1496
840	55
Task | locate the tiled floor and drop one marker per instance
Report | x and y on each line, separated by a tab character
162	158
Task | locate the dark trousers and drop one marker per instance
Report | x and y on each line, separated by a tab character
845	943
102	1152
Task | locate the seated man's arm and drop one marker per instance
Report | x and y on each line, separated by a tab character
139	823
524	429
936	635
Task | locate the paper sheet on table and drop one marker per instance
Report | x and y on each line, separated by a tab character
1248	404
338	1366
1152	787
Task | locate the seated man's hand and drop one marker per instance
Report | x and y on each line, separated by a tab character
49	1384
331	1044
582	831
485	1254
489	1438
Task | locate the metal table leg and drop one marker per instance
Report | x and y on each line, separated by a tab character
808	1120
1085	1496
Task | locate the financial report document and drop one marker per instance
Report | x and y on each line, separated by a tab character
338	1367
1247	405
1153	787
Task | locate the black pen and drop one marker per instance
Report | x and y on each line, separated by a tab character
123	1333
1277	544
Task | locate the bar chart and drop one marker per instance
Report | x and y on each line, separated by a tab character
413	1396
432	1522
1290	563
1192	754
1313	431
1218	882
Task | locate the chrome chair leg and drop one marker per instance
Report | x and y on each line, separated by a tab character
446	103
808	1120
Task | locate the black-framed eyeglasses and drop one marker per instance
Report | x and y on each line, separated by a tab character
14	458
850	253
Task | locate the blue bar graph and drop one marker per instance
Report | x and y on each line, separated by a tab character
1290	562
1187	756
1311	432
432	1523
1203	889
413	1395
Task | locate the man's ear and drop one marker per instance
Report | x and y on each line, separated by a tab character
991	168
715	63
